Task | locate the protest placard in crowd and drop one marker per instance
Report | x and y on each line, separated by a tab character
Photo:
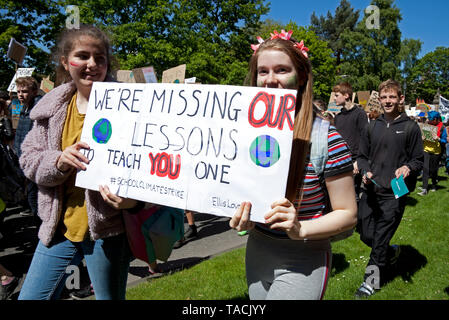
428	131
190	80
374	103
145	75
204	148
47	85
16	108
16	51
21	72
444	107
125	76
174	75
363	97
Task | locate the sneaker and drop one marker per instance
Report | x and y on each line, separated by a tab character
364	291
397	251
433	189
191	232
155	273
422	193
82	293
7	290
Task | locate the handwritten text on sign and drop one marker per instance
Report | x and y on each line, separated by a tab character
198	147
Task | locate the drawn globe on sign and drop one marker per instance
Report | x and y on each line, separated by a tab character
102	131
264	151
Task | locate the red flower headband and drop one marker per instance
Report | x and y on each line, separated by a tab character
284	36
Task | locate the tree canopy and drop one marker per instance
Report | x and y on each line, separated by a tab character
430	74
213	38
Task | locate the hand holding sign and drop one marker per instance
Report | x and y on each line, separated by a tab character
72	158
283	216
241	220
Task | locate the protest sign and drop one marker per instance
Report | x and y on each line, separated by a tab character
21	72
125	76
363	97
145	75
332	106
374	103
16	51
205	148
428	131
423	108
47	85
444	107
174	75
190	80
15	108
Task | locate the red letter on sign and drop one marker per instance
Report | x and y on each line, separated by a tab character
287	104
163	164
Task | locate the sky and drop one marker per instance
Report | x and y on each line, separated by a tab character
427	21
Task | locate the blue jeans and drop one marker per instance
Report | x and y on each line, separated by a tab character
107	262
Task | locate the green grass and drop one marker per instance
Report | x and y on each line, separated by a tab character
422	273
220	278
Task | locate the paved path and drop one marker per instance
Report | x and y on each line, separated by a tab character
214	237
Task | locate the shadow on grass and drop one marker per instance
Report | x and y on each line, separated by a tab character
409	262
411	201
446	290
168	267
339	263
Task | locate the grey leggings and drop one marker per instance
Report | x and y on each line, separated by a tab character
284	269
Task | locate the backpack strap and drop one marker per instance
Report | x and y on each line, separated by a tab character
319	154
319	150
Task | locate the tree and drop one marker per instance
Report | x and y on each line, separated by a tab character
371	55
28	22
211	36
208	36
430	74
323	64
408	56
331	27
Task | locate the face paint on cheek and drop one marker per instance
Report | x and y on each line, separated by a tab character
292	82
73	64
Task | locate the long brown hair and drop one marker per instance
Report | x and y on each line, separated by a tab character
66	42
303	111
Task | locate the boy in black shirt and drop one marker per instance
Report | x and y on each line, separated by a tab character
391	146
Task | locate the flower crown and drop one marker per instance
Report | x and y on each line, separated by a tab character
285	36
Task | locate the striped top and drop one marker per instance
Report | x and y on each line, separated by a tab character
313	203
339	161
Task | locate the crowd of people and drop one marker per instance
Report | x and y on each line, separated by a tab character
339	179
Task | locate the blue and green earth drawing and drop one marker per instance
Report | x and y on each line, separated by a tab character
264	151
102	131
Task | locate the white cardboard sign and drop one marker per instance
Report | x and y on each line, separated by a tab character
21	72
205	148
